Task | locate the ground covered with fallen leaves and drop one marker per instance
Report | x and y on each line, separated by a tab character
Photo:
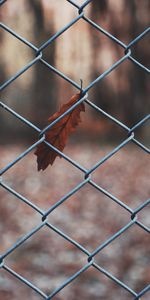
89	217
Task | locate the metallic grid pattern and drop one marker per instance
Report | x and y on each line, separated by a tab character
87	173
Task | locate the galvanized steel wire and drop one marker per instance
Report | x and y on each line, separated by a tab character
87	173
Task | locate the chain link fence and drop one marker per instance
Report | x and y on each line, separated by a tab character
87	173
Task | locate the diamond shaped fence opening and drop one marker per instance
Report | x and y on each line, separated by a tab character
85	261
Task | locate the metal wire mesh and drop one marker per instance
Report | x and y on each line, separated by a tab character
87	173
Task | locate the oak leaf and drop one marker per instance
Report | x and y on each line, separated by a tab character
58	134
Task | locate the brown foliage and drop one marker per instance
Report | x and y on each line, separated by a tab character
58	134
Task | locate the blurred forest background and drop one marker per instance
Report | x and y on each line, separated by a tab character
81	52
88	216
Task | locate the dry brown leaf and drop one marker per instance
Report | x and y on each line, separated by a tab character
58	134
